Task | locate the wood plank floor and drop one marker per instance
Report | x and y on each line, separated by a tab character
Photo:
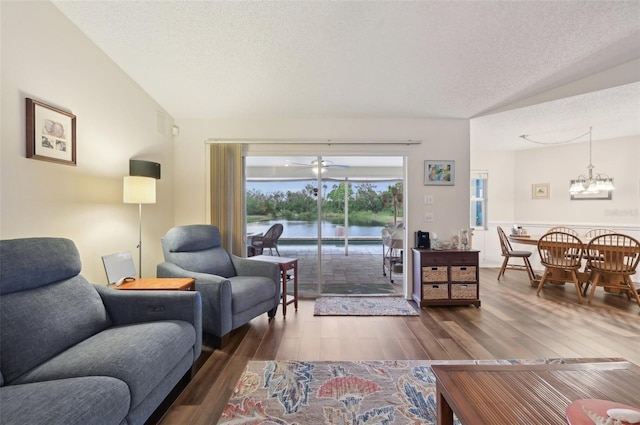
513	323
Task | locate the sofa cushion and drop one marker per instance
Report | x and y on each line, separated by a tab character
94	400
247	291
33	262
128	353
211	261
36	325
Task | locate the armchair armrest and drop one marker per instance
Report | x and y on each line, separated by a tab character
216	296
245	267
127	307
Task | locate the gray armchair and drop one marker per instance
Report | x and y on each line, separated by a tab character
234	289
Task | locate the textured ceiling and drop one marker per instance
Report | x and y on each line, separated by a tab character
206	59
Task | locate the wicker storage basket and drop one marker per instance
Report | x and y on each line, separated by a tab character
434	274
463	273
435	291
463	291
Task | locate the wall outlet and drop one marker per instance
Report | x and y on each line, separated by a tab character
428	199
428	217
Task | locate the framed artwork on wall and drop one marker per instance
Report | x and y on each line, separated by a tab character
439	173
51	133
540	191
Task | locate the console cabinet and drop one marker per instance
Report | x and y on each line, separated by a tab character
446	277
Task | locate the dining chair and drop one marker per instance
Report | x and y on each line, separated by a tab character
592	233
508	253
564	229
612	259
561	255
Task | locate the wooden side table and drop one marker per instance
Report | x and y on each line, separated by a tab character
163	283
285	265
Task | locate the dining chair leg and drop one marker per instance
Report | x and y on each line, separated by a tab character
530	272
632	290
594	284
576	282
542	280
504	267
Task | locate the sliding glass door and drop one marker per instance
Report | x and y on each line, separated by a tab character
333	210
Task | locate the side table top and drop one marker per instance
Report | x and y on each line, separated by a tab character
272	259
163	283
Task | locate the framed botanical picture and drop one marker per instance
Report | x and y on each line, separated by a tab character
51	133
439	173
540	191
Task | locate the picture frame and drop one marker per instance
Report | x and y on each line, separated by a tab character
540	191
51	133
603	195
439	173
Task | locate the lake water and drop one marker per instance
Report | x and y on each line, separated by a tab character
309	229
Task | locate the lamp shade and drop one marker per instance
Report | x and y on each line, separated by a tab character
139	190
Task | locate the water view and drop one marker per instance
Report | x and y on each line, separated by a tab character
309	229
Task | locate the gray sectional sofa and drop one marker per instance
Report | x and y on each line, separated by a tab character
76	353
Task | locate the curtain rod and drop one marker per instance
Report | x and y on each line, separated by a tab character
317	141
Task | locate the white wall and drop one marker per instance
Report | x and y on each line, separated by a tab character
443	139
47	58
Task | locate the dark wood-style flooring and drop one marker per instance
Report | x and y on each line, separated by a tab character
513	323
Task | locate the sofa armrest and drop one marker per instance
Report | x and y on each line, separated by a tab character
216	297
127	307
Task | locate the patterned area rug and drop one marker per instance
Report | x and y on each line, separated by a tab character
346	393
363	306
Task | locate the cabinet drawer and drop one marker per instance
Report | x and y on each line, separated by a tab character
435	291
463	273
434	274
465	258
464	291
435	259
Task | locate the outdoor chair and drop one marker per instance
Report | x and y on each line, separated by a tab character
508	253
269	240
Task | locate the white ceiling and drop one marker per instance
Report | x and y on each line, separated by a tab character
387	59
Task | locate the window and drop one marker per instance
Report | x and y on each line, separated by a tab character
478	199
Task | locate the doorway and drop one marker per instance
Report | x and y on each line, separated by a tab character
333	210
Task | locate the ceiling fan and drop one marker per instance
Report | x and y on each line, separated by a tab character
321	167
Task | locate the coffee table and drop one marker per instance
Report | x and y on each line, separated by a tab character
529	394
163	283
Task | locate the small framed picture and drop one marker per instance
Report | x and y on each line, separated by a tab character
51	133
439	173
540	191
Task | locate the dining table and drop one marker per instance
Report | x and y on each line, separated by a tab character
560	277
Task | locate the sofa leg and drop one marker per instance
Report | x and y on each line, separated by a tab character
272	313
213	341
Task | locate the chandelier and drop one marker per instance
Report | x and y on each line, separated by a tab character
591	183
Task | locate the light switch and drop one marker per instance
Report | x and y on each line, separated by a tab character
428	199
428	217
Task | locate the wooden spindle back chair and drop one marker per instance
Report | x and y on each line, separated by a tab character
561	255
612	259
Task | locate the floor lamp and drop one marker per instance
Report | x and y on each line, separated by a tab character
139	190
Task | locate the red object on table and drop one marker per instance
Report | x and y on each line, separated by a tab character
578	411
